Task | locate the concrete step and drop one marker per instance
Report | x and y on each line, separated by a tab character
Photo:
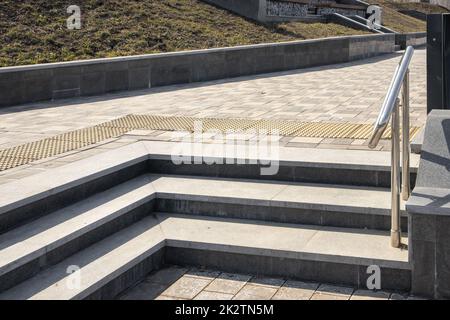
305	252
35	196
287	202
300	251
26	250
331	166
103	267
30	248
305	203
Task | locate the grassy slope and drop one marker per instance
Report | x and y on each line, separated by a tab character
421	7
397	21
34	31
401	22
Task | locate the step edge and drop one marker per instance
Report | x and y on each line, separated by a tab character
299	255
73	234
71	175
182	196
166	241
116	273
278	204
91	287
70	237
163	150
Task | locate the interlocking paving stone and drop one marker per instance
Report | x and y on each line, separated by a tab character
370	295
208	295
327	296
186	287
296	290
306	140
330	292
346	93
238	287
228	283
202	274
255	292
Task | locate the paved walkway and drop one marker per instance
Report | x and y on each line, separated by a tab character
178	283
348	93
351	92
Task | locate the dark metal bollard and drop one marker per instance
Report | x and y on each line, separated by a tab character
438	61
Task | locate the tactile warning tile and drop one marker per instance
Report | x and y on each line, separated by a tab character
280	127
326	130
41	149
224	125
8	162
172	124
363	132
92	134
65	142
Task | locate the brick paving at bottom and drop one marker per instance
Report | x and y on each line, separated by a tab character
180	283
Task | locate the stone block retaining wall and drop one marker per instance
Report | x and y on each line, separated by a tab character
24	84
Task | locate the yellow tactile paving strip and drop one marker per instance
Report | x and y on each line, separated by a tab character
29	152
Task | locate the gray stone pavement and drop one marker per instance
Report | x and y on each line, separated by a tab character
179	283
348	93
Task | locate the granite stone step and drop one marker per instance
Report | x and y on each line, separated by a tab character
26	250
32	247
306	203
305	252
35	196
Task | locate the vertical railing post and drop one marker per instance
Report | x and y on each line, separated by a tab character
406	185
395	176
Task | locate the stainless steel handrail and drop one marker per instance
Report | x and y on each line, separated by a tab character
390	110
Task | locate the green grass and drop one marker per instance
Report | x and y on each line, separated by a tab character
403	23
34	31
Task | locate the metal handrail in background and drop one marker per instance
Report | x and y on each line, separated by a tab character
390	110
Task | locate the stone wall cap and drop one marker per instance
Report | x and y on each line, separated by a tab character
430	201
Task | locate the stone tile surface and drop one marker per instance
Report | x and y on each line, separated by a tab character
228	283
201	284
208	295
331	292
256	292
296	290
370	295
186	287
267	282
338	93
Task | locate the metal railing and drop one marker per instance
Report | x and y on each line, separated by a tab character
390	110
